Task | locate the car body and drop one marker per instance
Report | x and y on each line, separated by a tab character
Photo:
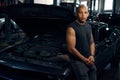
40	54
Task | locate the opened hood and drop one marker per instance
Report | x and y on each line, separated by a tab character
35	19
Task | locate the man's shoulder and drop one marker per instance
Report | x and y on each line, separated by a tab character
72	24
88	24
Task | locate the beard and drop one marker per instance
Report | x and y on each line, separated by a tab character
82	21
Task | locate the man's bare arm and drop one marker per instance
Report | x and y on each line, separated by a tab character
71	42
92	50
92	46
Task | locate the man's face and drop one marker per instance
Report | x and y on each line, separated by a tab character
82	14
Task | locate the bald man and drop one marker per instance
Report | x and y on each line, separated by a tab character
81	46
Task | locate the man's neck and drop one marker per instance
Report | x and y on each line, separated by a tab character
80	22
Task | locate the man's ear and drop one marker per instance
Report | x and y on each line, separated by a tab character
88	13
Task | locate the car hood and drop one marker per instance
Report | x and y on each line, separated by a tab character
45	26
35	19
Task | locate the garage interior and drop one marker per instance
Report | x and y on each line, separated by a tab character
32	37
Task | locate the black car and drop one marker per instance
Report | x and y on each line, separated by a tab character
33	45
34	42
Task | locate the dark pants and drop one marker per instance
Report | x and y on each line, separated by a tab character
82	71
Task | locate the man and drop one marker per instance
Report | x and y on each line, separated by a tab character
81	46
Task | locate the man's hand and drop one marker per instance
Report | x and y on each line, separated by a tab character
91	60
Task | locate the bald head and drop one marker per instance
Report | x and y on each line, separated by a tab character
81	7
82	13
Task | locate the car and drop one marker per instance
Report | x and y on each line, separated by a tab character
33	45
37	50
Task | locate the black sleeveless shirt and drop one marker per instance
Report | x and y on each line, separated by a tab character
83	37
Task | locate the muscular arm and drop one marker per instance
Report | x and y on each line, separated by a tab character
92	50
71	42
92	46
